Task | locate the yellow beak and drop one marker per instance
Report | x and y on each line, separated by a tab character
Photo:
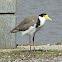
46	17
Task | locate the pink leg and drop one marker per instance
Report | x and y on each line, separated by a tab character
30	44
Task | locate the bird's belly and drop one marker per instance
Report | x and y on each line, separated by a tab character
30	31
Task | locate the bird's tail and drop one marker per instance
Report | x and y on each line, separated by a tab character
13	31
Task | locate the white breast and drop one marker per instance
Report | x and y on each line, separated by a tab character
42	20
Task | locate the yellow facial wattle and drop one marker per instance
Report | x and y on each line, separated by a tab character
46	17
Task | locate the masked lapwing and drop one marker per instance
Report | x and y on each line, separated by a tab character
29	26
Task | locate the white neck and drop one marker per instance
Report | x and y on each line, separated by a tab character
42	20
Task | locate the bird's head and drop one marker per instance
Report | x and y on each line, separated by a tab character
45	16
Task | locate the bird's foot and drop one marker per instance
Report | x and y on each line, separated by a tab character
29	55
34	52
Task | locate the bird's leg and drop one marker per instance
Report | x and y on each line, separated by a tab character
33	43
30	44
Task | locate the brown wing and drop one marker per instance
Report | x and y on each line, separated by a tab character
26	23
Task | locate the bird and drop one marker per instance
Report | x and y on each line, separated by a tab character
30	25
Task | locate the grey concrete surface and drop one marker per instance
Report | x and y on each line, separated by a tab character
7	23
8	6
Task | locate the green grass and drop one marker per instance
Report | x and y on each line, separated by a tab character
39	54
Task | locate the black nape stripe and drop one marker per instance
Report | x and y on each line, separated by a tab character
38	23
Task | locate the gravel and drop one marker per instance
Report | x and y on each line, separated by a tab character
44	47
56	59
